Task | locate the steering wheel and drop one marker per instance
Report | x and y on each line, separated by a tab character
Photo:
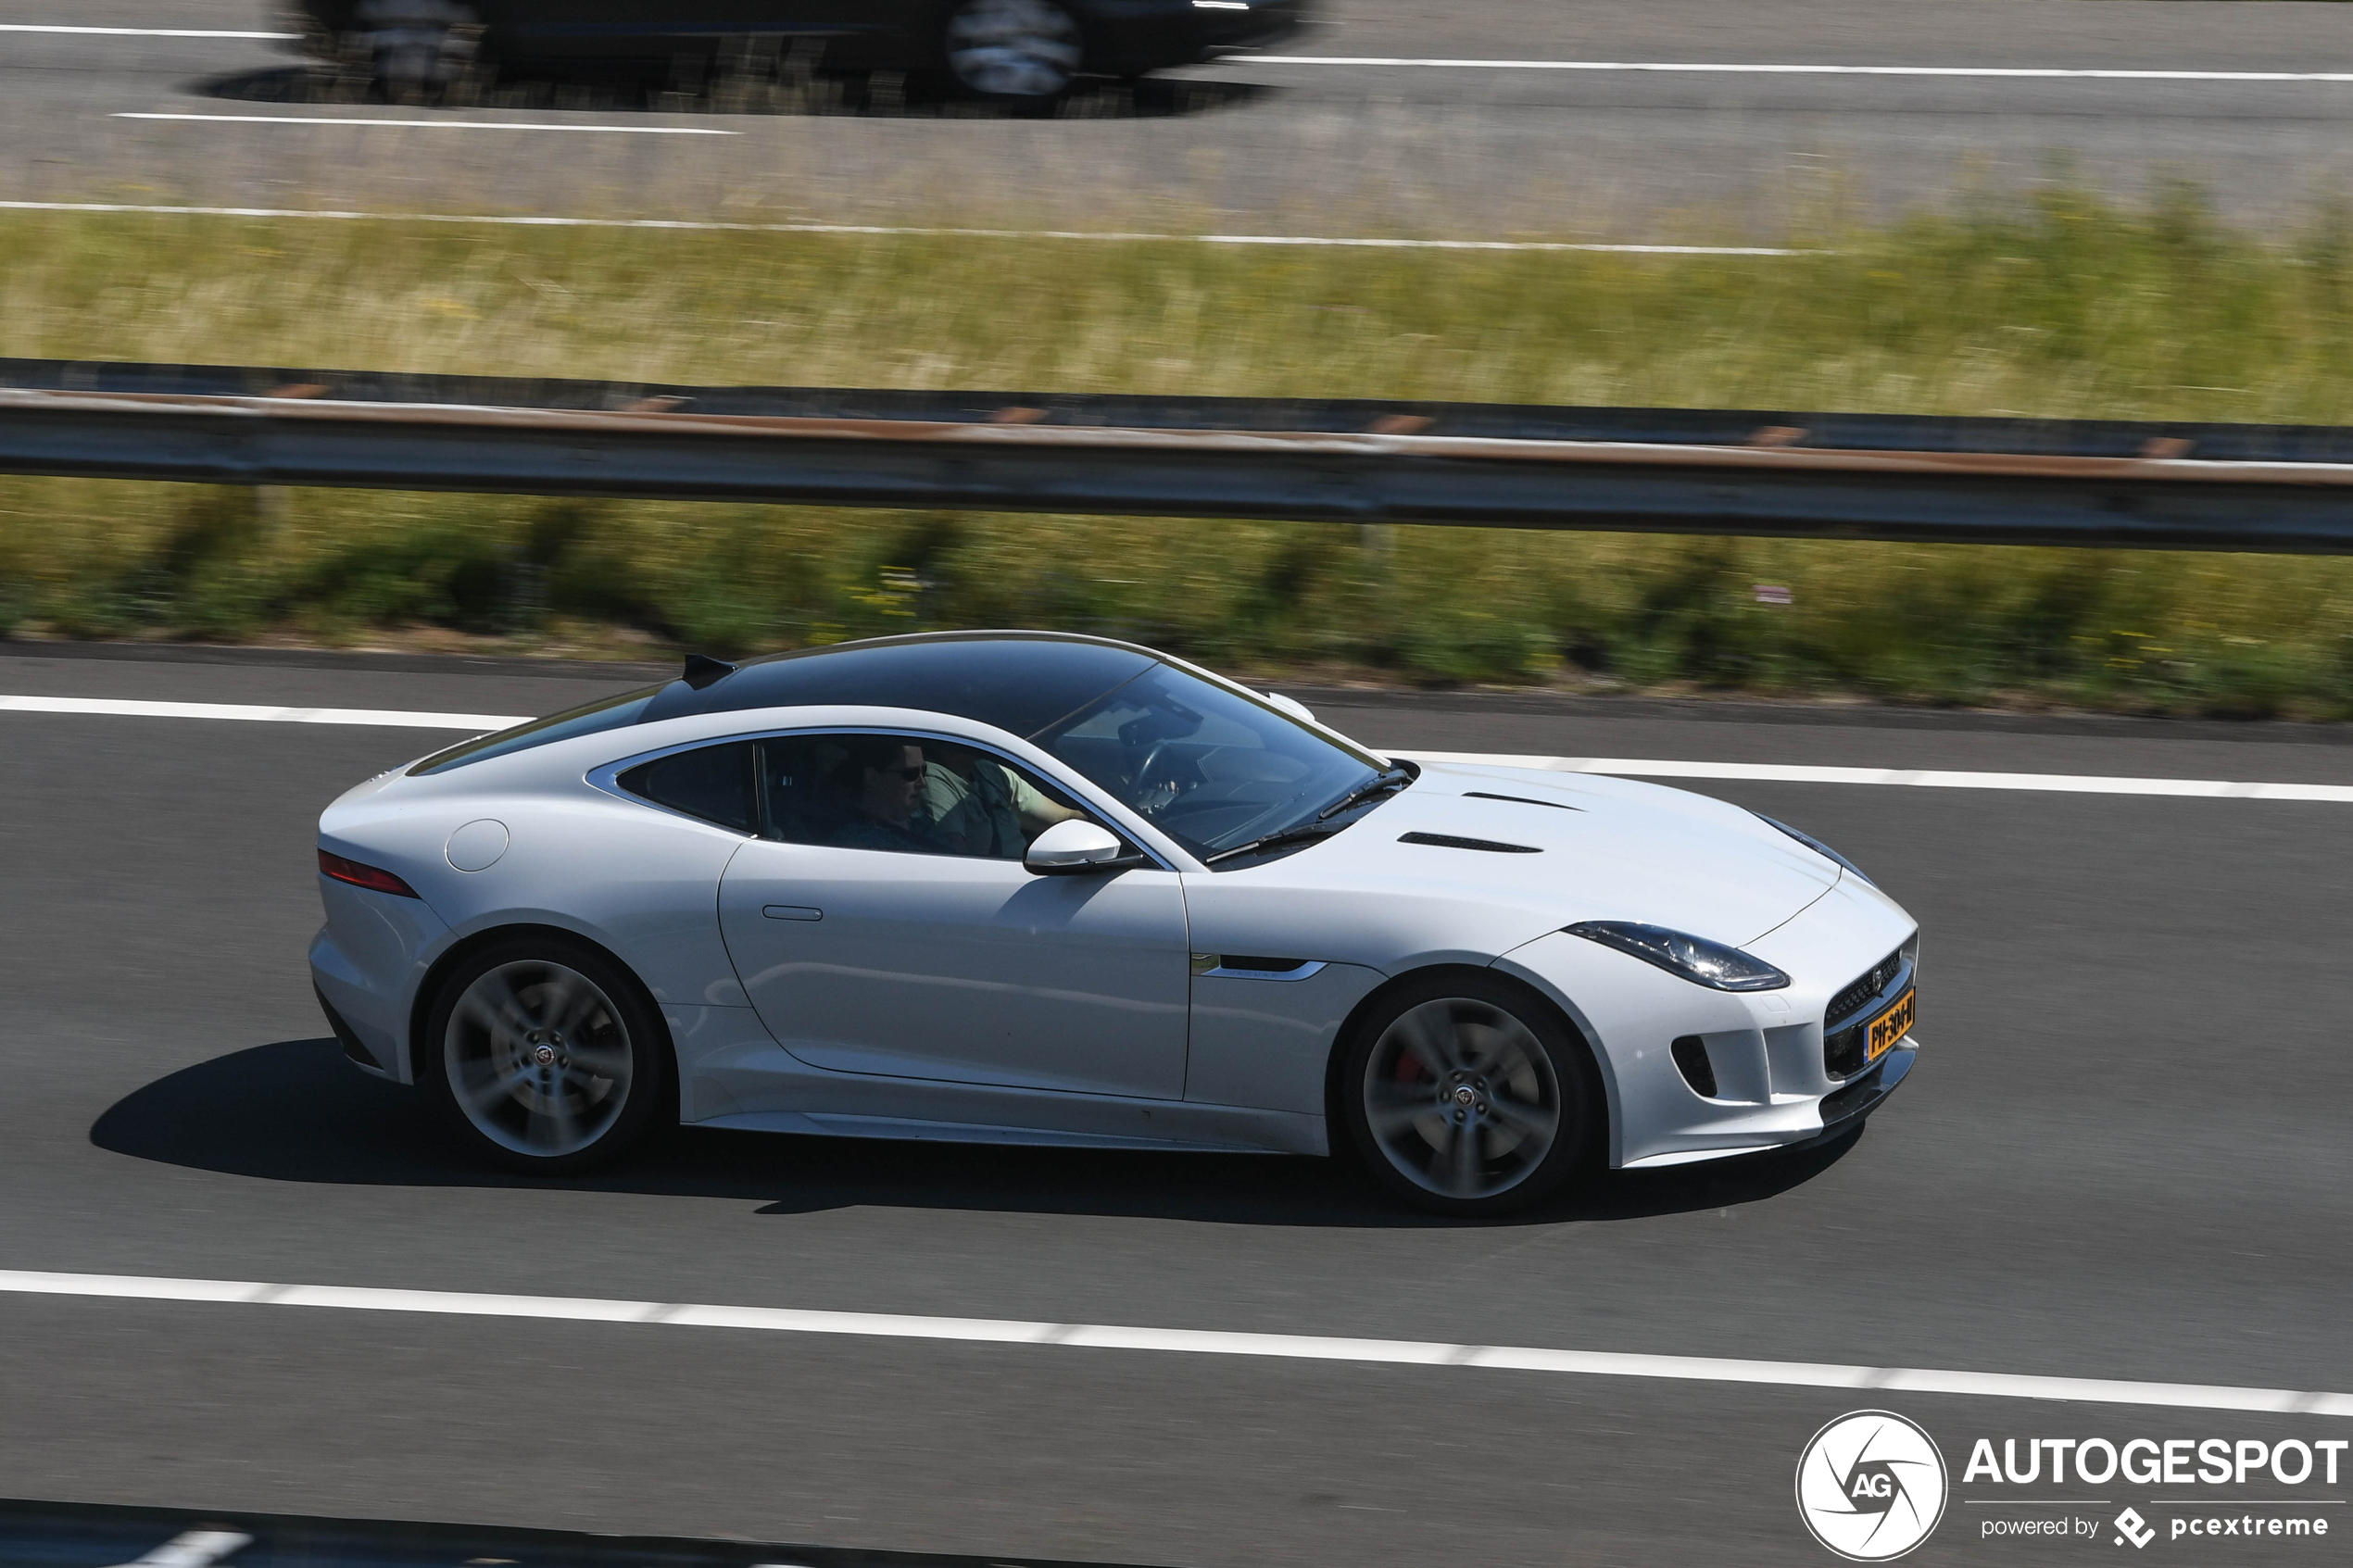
1144	802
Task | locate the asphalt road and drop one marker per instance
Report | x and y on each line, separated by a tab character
1265	148
2123	1155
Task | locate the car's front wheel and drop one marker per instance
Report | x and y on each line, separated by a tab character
546	1054
1467	1095
1021	50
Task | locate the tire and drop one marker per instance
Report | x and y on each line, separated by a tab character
1018	51
545	1055
1466	1094
417	50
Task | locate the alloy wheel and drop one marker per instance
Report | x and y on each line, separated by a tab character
1013	48
1460	1098
539	1059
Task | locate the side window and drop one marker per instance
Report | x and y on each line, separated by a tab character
906	793
714	783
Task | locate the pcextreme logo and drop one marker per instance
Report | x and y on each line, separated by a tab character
1871	1486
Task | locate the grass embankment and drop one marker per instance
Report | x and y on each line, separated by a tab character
2057	308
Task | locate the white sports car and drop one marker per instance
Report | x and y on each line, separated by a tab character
1030	888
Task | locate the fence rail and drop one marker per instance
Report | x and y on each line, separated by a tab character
1774	473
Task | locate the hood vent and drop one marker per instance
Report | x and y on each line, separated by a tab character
1520	800
1447	841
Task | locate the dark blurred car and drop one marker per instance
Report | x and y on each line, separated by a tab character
1017	49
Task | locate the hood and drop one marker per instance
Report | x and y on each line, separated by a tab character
1584	847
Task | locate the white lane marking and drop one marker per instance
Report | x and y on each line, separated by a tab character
1628	767
1207	1342
193	1549
693	225
432	124
1713	69
1923	778
387	717
142	32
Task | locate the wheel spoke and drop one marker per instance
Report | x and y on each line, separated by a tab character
492	1002
1510	1049
604	1062
1430	1045
487	1093
1392	1115
1528	1120
1462	1158
559	1113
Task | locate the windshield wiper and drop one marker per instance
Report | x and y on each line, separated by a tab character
1300	834
1392	778
1322	825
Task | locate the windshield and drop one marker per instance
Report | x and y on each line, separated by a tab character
1208	765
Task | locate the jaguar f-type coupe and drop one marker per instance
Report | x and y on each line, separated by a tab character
1020	887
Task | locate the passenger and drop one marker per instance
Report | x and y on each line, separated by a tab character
987	808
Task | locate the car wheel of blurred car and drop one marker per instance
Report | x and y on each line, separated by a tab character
417	49
1015	49
546	1054
1466	1094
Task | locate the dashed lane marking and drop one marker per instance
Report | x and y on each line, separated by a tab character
2097	74
430	124
142	31
1917	778
480	723
1629	766
1204	1342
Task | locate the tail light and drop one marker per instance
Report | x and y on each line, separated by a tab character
374	878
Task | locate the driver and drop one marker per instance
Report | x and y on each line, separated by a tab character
883	780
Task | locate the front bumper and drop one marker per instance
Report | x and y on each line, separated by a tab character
1766	1085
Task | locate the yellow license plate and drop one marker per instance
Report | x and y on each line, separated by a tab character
1891	1027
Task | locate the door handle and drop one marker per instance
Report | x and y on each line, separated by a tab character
791	911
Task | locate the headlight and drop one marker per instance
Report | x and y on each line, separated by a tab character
1819	848
1695	959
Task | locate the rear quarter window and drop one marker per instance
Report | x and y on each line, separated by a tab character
713	783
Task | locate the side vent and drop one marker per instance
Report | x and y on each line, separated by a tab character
1690	1059
1447	841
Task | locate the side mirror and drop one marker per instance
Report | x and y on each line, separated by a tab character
1289	705
1072	847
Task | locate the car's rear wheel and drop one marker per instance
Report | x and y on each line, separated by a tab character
546	1054
417	50
1468	1094
1019	50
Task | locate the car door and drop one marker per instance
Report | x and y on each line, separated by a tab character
641	32
884	924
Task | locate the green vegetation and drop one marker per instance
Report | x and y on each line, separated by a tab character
2055	306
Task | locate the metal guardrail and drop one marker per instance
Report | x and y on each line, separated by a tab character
1792	474
47	1534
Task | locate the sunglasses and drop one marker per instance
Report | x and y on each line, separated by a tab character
913	775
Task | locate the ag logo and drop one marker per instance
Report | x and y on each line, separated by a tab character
1870	1486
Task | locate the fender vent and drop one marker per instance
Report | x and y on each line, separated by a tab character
1690	1059
1447	841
